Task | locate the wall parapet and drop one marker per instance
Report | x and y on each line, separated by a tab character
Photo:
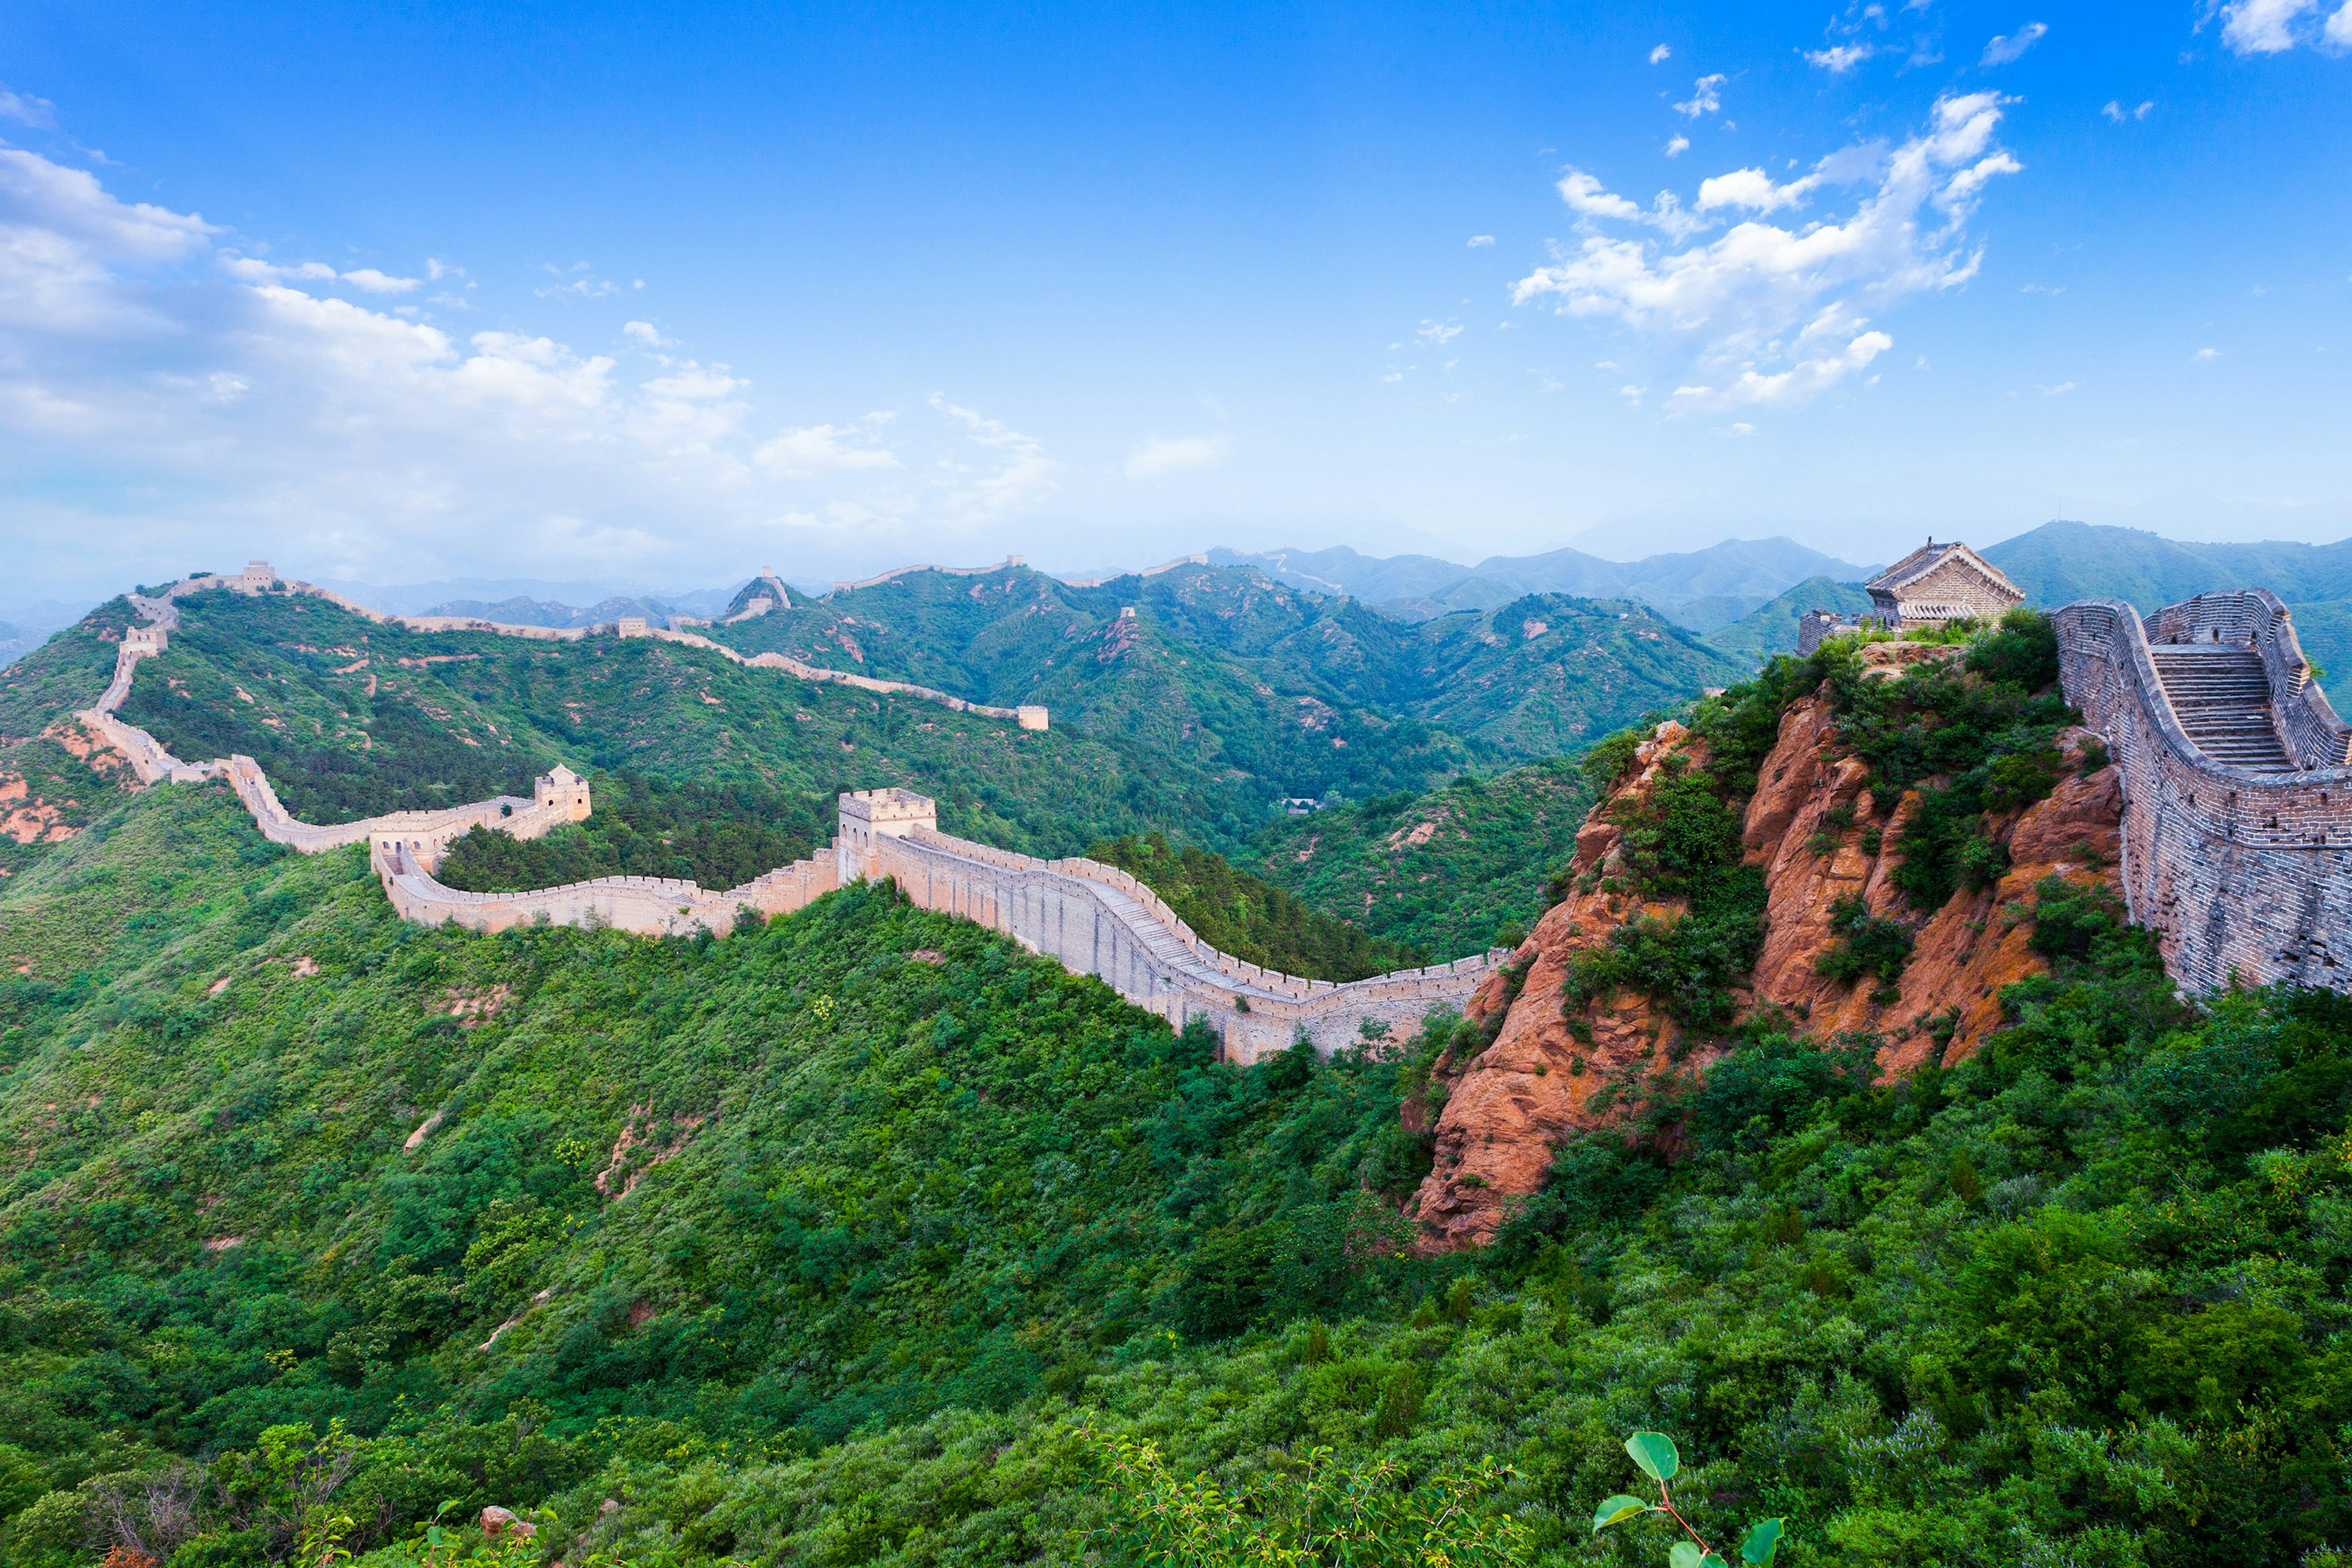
2240	874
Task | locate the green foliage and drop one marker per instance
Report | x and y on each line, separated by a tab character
1251	919
1867	944
719	836
1314	1513
1446	873
1654	1454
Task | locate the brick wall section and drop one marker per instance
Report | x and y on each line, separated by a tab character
1097	919
1093	919
2238	873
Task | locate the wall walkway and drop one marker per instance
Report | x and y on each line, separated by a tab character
2239	872
1091	918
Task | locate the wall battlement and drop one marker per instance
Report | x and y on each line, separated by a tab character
2239	872
1093	919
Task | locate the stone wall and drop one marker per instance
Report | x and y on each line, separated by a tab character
648	906
258	579
1091	918
2238	873
1097	919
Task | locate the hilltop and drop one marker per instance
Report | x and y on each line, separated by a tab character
1320	692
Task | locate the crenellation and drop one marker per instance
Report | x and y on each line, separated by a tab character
2240	874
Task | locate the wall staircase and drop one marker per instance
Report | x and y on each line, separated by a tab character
2223	699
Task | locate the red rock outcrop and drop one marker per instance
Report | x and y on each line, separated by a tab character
1510	1107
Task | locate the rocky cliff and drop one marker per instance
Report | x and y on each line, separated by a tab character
1815	830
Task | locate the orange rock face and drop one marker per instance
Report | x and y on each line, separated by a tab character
1510	1107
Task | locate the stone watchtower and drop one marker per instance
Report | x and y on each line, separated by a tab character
256	578
1940	583
562	789
870	814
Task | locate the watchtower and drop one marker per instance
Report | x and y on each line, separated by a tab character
562	788
869	816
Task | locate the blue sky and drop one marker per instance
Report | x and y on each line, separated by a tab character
402	292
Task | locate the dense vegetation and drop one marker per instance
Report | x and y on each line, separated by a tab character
1449	872
1224	666
1974	734
896	1237
340	738
719	836
864	1236
1252	920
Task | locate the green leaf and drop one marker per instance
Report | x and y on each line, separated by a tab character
1712	1561
1683	1555
1763	1540
1616	1510
1654	1452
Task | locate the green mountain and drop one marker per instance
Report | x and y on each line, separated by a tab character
349	718
1316	694
1448	872
863	1236
1702	590
1772	628
2061	562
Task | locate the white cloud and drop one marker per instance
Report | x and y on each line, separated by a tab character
1660	55
2002	50
1705	97
2115	112
1840	59
199	392
1028	473
1438	333
1678	147
26	110
1158	456
1765	306
2060	390
376	282
1830	349
822	448
645	332
2203	355
1753	189
2274	27
1478	239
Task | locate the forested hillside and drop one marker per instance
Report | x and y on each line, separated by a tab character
1448	872
857	1238
350	719
1269	679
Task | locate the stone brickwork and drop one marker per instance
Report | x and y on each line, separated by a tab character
1940	583
1097	919
2238	873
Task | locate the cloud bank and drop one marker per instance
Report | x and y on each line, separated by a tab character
1771	313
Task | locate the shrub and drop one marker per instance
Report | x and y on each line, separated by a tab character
1867	944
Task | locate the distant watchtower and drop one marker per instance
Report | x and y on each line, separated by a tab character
564	789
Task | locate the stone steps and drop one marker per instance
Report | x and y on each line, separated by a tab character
2222	698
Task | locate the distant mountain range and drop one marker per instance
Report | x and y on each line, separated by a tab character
523	611
1742	597
1703	591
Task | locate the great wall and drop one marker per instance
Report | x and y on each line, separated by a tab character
2237	773
2236	829
1094	919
